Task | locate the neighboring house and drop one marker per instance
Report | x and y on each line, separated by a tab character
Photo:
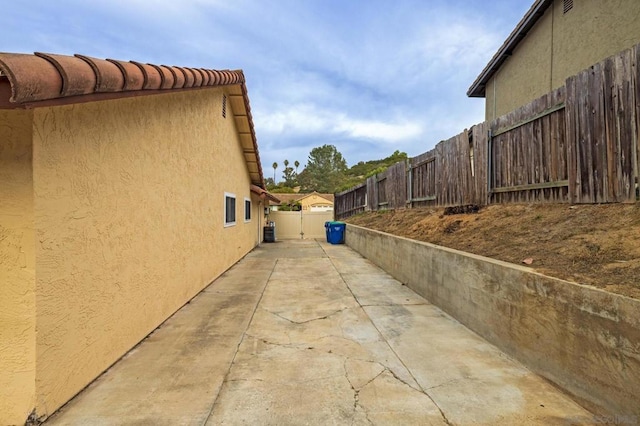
316	202
554	40
125	189
313	202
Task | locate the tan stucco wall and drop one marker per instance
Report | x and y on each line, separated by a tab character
17	270
559	46
525	74
129	214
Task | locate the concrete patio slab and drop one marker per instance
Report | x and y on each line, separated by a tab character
303	332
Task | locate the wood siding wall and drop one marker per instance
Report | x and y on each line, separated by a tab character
576	144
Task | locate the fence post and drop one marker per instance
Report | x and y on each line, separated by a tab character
409	180
489	163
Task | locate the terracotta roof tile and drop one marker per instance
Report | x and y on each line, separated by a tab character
32	77
188	77
205	76
55	78
78	78
109	78
264	194
166	76
199	79
152	77
133	76
178	77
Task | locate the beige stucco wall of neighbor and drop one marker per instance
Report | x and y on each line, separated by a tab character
17	269
559	46
523	76
583	339
129	214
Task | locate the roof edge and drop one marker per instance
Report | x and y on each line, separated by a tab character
43	79
537	10
264	194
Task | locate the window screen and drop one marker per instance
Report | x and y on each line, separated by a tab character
229	209
247	210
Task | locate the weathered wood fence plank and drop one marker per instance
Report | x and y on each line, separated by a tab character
577	144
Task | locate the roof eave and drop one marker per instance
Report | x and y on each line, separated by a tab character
537	10
42	79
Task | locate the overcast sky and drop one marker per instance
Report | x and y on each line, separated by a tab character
368	76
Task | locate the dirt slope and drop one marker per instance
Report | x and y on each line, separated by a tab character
597	245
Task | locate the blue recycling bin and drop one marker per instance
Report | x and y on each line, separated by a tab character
335	232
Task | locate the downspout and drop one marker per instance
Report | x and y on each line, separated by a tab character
260	217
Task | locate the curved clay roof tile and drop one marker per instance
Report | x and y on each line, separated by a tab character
215	77
109	77
205	76
166	75
32	78
199	78
152	77
78	77
178	77
133	76
240	76
189	78
233	77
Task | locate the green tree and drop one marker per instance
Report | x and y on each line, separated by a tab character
290	178
297	164
275	166
325	170
269	183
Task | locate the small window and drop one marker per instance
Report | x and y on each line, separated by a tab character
247	210
568	5
229	209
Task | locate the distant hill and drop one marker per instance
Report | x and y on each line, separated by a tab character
359	173
339	181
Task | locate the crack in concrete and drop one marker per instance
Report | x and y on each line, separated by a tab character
356	394
306	321
444	417
245	380
376	305
237	349
284	345
448	382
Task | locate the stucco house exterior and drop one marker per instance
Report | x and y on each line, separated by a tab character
554	40
125	189
312	202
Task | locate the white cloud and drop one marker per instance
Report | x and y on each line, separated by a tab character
366	76
305	120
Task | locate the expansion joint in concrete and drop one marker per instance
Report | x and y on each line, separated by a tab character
444	417
306	321
244	334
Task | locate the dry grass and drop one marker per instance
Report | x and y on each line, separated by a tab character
596	245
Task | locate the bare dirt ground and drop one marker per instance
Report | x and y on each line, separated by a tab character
597	245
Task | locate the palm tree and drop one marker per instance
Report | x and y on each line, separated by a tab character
296	163
275	166
286	163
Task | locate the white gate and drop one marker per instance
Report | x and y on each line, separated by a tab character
300	225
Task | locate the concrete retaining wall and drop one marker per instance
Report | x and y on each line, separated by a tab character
585	340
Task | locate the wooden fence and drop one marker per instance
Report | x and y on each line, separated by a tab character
576	144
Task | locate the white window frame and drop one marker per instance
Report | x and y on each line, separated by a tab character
245	209
235	213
